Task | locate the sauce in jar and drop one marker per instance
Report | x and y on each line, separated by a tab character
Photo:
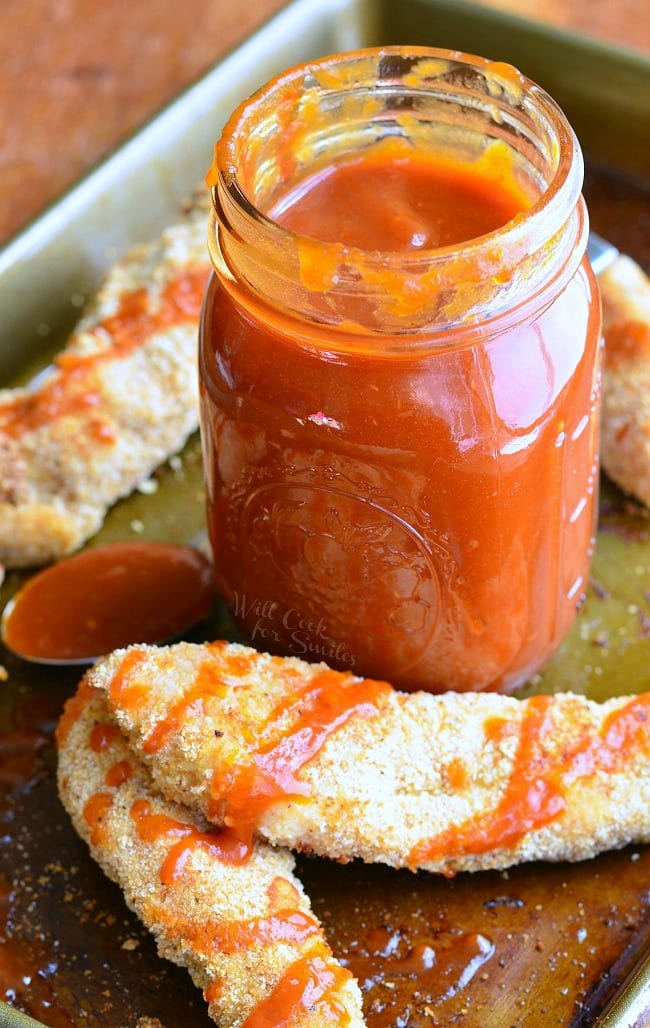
399	370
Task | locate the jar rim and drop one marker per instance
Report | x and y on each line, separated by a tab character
560	194
505	255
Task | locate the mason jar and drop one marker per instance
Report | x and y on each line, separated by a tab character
400	425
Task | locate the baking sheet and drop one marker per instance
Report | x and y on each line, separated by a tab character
563	936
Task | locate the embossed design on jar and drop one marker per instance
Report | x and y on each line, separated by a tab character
337	557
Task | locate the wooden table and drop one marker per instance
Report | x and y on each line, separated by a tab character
77	76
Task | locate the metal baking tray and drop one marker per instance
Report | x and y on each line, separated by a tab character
568	939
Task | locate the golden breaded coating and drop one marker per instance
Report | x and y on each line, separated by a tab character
625	437
320	760
237	919
120	399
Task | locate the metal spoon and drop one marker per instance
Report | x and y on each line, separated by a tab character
107	597
601	253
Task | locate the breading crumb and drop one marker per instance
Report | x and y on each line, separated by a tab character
148	487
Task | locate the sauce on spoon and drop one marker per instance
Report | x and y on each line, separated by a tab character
108	597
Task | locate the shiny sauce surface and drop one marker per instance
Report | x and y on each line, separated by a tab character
392	202
310	983
186	839
420	516
108	597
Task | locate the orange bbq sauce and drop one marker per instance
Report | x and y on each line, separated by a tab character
108	597
421	518
387	202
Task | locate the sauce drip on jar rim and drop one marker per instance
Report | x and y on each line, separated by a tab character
106	598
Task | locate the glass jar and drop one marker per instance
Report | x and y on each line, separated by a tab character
401	446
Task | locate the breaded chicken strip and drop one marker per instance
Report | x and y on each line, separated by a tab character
120	399
239	921
320	760
625	439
